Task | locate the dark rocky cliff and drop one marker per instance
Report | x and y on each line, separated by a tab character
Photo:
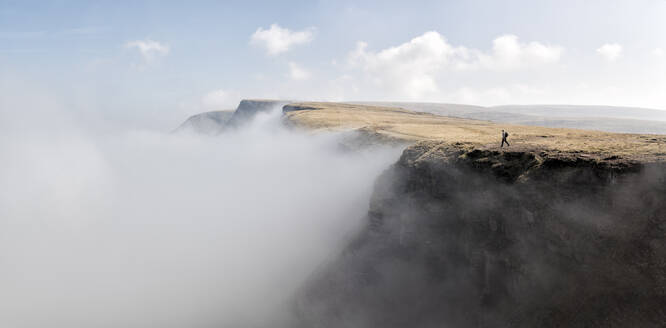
206	123
460	237
248	108
216	122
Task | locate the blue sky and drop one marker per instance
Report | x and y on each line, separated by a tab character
155	62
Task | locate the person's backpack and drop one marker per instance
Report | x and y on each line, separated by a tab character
506	134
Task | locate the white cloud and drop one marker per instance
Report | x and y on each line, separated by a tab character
150	50
413	68
658	52
296	72
277	39
220	100
498	95
610	51
167	223
508	54
408	68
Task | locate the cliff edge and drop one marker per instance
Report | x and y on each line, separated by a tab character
564	228
465	237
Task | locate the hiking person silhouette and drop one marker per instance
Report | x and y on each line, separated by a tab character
504	135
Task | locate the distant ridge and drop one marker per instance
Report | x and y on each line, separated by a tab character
587	117
601	118
636	113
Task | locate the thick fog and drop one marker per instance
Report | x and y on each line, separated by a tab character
150	229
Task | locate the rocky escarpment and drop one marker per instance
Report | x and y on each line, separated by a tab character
215	122
461	237
206	123
247	109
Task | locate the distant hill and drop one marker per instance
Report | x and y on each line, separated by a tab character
577	111
456	110
601	118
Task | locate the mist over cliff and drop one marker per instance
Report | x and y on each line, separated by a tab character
481	238
147	229
266	217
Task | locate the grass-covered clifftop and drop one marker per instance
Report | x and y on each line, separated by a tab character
411	126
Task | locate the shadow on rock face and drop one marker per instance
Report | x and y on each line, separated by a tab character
216	122
472	238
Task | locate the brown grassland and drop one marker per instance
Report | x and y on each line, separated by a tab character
409	126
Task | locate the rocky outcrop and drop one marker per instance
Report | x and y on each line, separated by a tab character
207	123
247	109
464	237
215	122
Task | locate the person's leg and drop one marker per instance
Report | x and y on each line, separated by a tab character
507	143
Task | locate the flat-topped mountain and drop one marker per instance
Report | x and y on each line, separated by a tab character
563	228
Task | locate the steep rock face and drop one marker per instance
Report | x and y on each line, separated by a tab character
480	238
207	123
247	109
215	122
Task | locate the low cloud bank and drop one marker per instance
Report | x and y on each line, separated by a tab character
144	229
